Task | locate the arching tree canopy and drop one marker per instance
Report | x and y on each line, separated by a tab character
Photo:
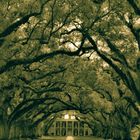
79	55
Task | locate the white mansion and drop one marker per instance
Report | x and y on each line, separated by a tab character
67	125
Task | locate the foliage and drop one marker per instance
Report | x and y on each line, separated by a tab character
59	55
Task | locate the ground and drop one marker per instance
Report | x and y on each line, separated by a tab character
71	138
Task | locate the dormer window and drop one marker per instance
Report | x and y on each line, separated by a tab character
66	116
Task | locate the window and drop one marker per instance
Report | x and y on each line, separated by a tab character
57	132
75	124
57	124
69	124
63	132
81	132
75	132
63	124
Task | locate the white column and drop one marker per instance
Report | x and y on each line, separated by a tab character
78	128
